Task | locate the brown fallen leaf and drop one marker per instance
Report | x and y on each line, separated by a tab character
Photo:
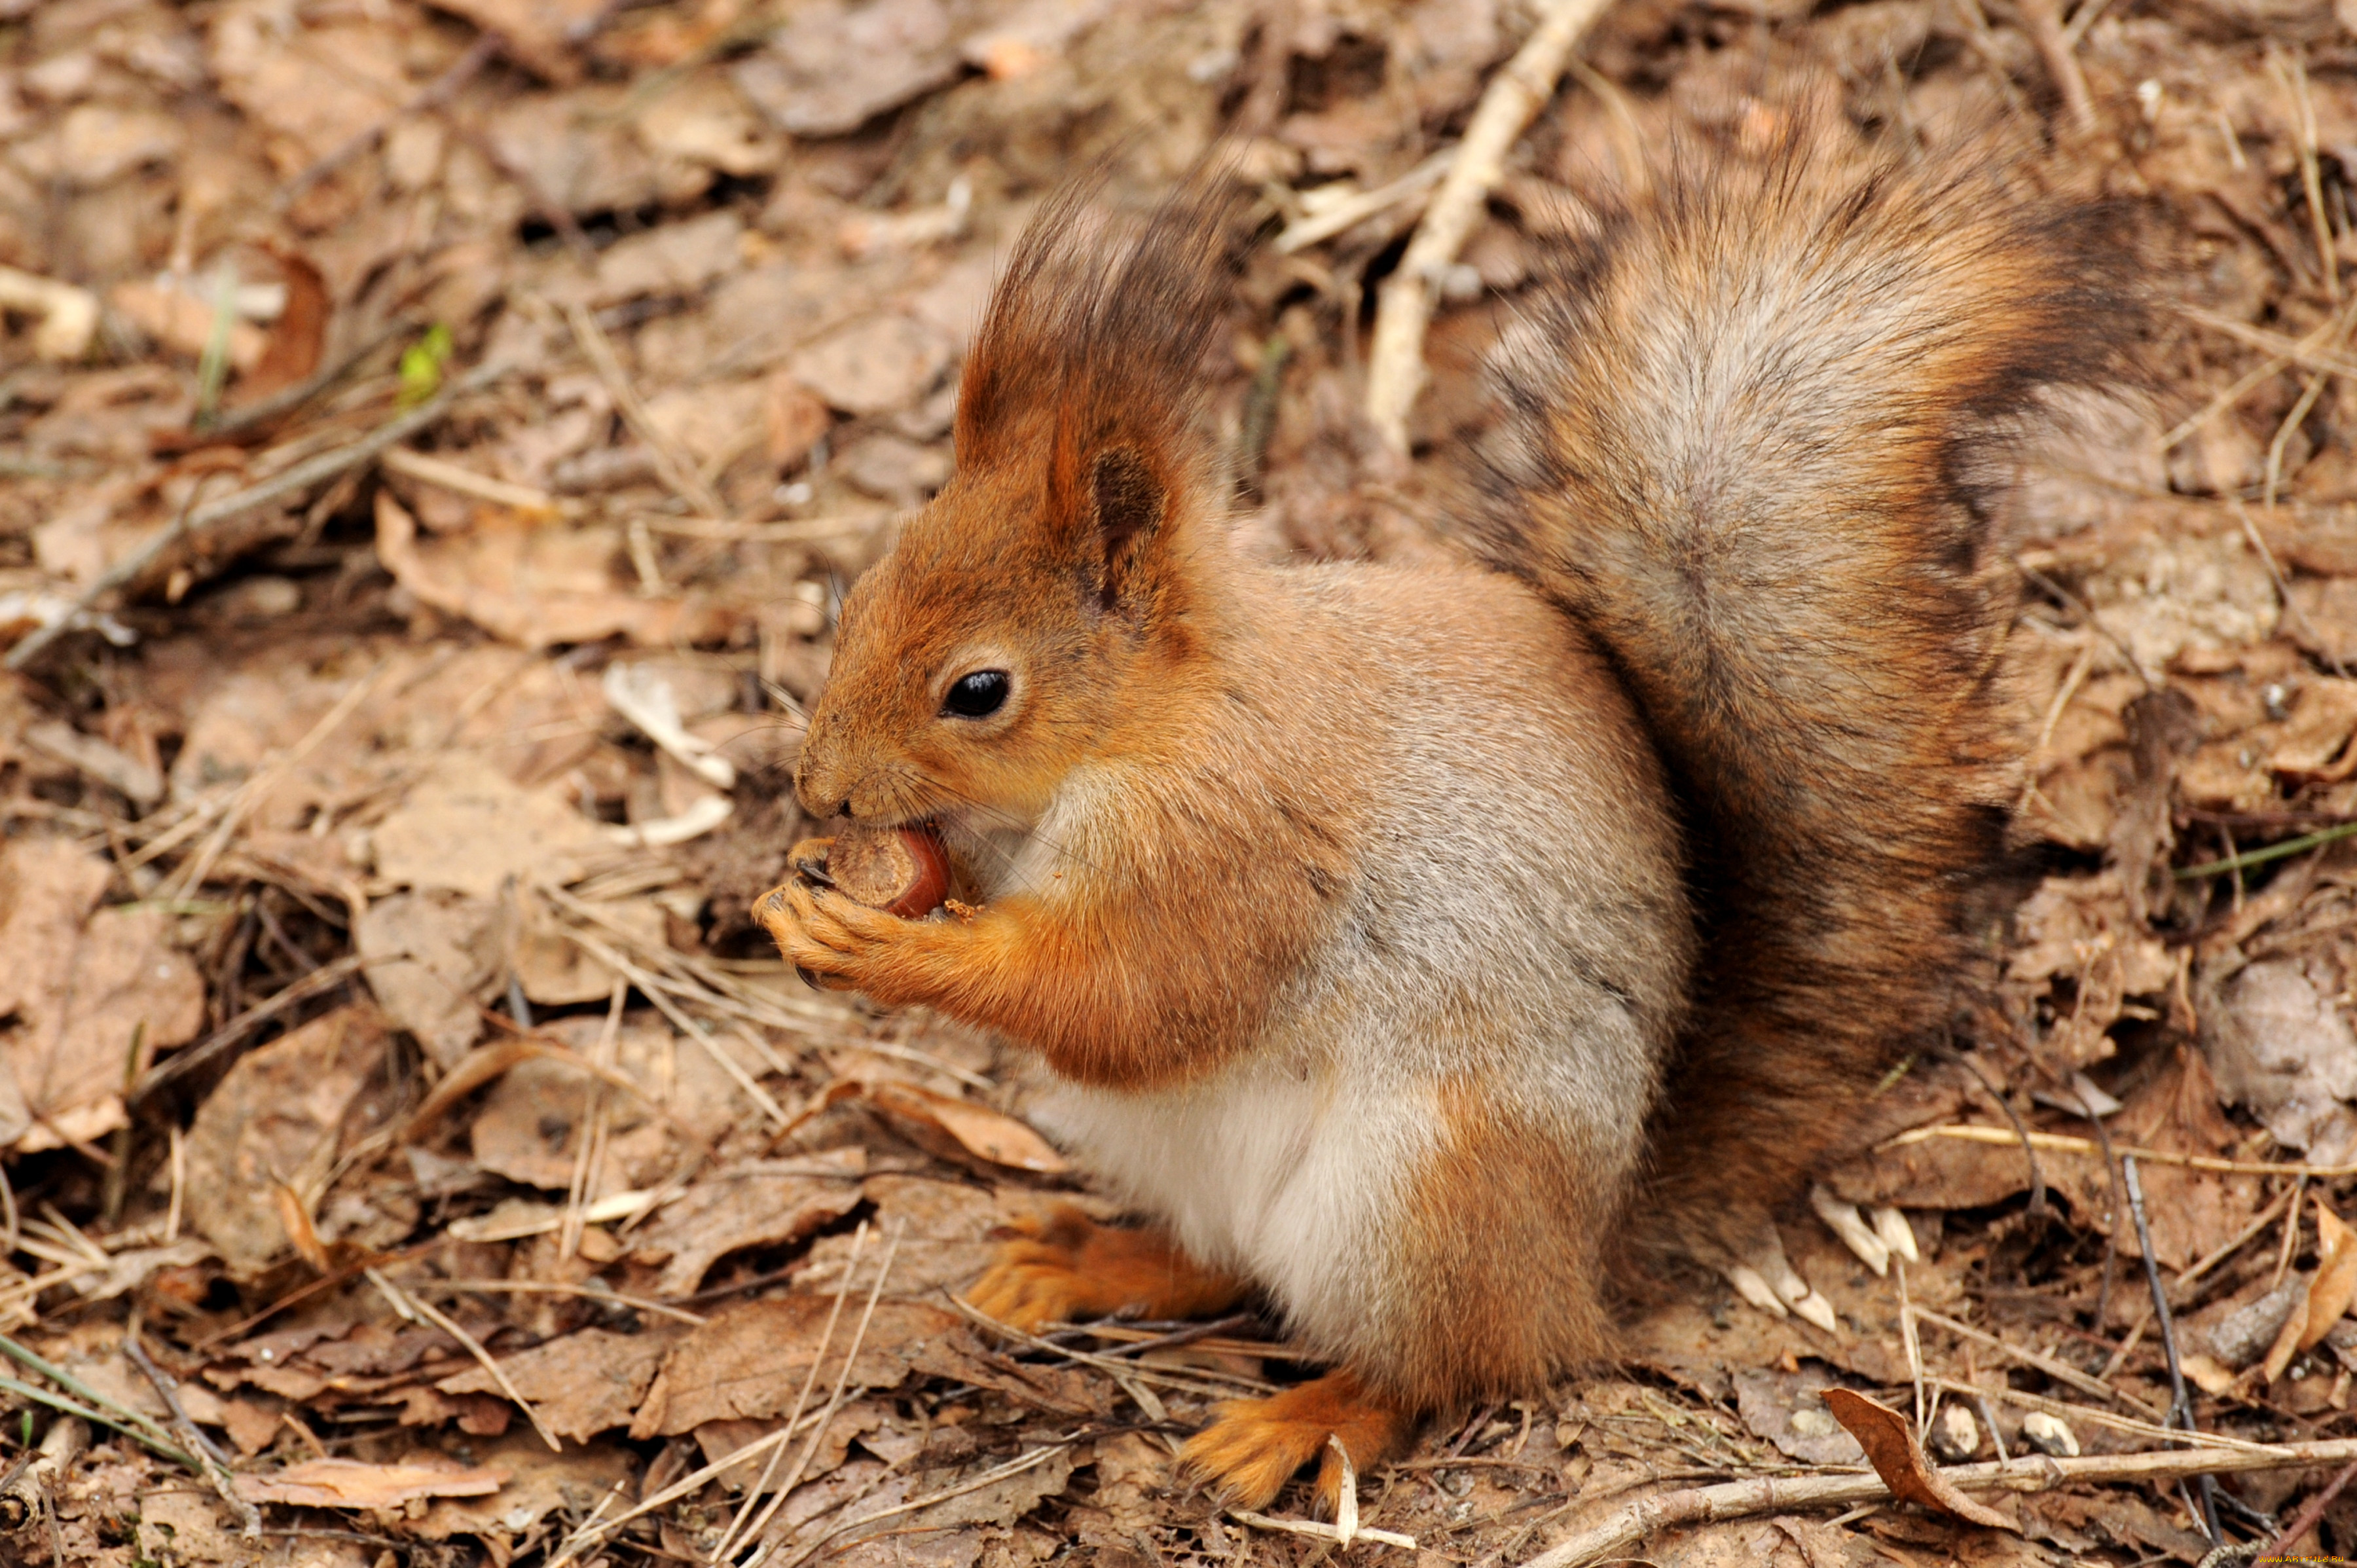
2335	1283
183	323
539	1484
945	1228
748	1362
88	987
538	584
469	829
728	1210
665	1096
583	1383
835	66
352	1484
1890	1447
298	336
275	69
978	1129
537	34
433	955
279	1119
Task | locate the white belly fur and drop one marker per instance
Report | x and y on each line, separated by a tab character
1287	1179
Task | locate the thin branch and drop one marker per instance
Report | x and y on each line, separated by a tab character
1404	308
213	1463
1626	1524
2062	1143
300	477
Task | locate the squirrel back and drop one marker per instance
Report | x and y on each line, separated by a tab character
1756	444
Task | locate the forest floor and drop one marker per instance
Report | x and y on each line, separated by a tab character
433	437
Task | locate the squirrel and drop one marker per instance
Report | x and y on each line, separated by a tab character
1431	949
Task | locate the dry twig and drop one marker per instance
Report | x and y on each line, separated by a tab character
1404	308
279	487
1625	1524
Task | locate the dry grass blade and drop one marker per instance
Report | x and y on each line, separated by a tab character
2061	1371
678	470
1200	1384
1315	1529
596	1291
183	1065
658	992
590	1159
592	1531
184	883
753	1494
410	1307
989	1477
214	1464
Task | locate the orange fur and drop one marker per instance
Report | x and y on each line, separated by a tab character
1066	1268
1759	445
1253	1446
1541	913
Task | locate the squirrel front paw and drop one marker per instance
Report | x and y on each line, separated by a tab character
831	937
1253	1446
1064	1267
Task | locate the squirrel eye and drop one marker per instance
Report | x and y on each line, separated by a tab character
978	695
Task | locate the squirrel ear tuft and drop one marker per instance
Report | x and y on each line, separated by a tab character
1129	506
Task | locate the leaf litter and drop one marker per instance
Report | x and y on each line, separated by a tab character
387	1036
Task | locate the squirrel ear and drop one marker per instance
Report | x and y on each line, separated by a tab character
1130	502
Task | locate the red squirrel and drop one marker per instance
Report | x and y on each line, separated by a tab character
1427	947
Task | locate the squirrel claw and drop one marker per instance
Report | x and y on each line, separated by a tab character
1253	1446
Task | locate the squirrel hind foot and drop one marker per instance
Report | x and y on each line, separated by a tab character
1764	1277
1064	1267
1253	1446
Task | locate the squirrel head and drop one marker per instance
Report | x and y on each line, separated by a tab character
1056	584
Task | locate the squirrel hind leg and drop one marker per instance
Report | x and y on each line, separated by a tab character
1064	1267
1253	1446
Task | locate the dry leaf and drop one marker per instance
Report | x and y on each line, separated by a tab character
1787	1409
2283	1045
978	1129
748	1362
276	68
432	955
467	828
730	1210
530	1125
945	1228
675	258
94	994
874	366
537	32
1890	1447
539	1485
833	66
582	1384
2335	1281
278	1117
536	583
299	334
183	323
352	1484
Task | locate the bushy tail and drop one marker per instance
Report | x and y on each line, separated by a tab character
1755	443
